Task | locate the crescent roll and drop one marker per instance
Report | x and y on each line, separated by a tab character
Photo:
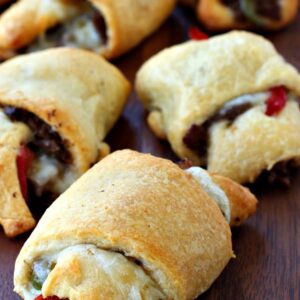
108	27
244	14
56	107
133	227
229	103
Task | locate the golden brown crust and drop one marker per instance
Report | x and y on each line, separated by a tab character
242	202
27	19
76	92
182	87
217	16
98	274
149	209
14	227
141	19
15	216
255	142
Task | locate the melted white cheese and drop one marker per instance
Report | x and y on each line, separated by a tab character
44	170
253	99
40	271
49	172
112	266
212	189
65	180
78	32
82	33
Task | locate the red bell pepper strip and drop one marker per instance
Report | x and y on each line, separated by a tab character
197	34
40	297
276	101
24	162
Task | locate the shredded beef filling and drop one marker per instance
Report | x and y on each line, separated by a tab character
197	136
100	24
281	173
45	139
269	9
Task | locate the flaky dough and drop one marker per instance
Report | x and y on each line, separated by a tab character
215	15
77	92
187	84
15	216
127	22
142	206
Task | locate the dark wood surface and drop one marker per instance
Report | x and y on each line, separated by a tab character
267	247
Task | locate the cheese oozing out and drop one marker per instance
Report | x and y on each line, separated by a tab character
212	189
45	172
253	99
80	31
49	173
104	271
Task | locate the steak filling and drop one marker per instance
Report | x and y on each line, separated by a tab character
281	173
197	137
50	172
46	139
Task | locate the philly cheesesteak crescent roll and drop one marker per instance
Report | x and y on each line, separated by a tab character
230	103
56	107
244	14
108	27
133	227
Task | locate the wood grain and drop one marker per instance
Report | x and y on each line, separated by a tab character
267	246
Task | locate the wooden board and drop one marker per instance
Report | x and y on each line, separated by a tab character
267	246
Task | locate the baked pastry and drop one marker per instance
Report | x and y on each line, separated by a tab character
107	27
133	227
229	103
56	108
244	14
